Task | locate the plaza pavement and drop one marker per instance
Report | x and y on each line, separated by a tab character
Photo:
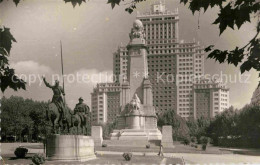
189	158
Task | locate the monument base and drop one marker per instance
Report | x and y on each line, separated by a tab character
70	148
167	141
136	134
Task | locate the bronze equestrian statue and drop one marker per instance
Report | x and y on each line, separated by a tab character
83	111
62	117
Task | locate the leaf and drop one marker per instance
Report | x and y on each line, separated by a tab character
246	66
6	39
75	2
209	48
3	52
9	79
16	2
129	10
113	3
215	3
3	60
195	5
226	17
241	15
218	55
184	1
235	56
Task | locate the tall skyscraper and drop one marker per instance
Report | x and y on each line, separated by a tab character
105	102
210	98
172	63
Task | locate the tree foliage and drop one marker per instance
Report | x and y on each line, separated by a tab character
198	128
22	117
234	128
7	74
179	126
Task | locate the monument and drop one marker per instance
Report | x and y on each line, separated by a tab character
137	120
68	141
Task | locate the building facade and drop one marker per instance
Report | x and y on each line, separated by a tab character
105	102
210	97
172	63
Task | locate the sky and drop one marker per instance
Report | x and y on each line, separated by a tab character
92	32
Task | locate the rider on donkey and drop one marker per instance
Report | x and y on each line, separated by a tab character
58	91
82	110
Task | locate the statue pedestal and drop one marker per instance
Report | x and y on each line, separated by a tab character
70	148
167	141
133	134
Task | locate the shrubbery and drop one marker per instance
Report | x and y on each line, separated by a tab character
127	156
104	145
204	146
204	140
186	141
234	128
193	139
20	152
38	159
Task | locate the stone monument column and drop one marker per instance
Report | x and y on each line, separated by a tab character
137	60
125	94
148	94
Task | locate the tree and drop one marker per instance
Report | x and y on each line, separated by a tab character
225	127
179	126
7	74
15	120
107	128
22	117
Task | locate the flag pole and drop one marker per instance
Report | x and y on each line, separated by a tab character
62	72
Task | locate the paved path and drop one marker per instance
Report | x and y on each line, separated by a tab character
199	158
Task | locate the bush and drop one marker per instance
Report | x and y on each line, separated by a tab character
104	145
20	152
38	159
204	147
204	140
147	146
186	141
127	156
193	139
196	146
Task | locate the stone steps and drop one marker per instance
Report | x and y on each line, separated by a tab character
139	143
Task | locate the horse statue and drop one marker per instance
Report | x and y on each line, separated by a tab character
64	122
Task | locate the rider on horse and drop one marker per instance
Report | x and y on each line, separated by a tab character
82	110
57	95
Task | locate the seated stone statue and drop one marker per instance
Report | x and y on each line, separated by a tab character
135	103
